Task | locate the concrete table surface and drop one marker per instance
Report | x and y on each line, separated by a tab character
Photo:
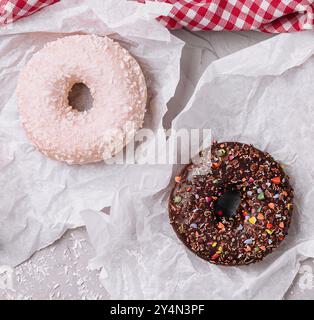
60	271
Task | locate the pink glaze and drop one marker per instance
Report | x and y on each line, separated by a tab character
117	86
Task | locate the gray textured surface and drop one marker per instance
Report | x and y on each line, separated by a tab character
61	270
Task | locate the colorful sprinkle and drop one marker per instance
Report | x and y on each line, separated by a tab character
248	241
177	199
177	179
215	256
252	220
276	180
221	152
260	216
216	165
221	225
261	196
208	199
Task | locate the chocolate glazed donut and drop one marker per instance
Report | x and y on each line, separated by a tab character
238	212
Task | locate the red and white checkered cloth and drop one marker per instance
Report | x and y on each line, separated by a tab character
264	15
12	10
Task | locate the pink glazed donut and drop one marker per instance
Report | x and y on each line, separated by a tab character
117	86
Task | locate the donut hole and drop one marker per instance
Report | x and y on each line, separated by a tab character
80	97
228	204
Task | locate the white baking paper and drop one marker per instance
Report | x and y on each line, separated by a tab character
41	198
261	95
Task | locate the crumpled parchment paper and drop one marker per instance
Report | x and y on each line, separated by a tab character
261	95
41	198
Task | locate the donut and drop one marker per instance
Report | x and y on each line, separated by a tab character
238	211
117	86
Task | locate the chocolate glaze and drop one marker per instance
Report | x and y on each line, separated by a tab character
261	220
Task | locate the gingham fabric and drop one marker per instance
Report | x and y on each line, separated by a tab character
11	10
264	15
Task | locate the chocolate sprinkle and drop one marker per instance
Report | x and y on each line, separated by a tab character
200	215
